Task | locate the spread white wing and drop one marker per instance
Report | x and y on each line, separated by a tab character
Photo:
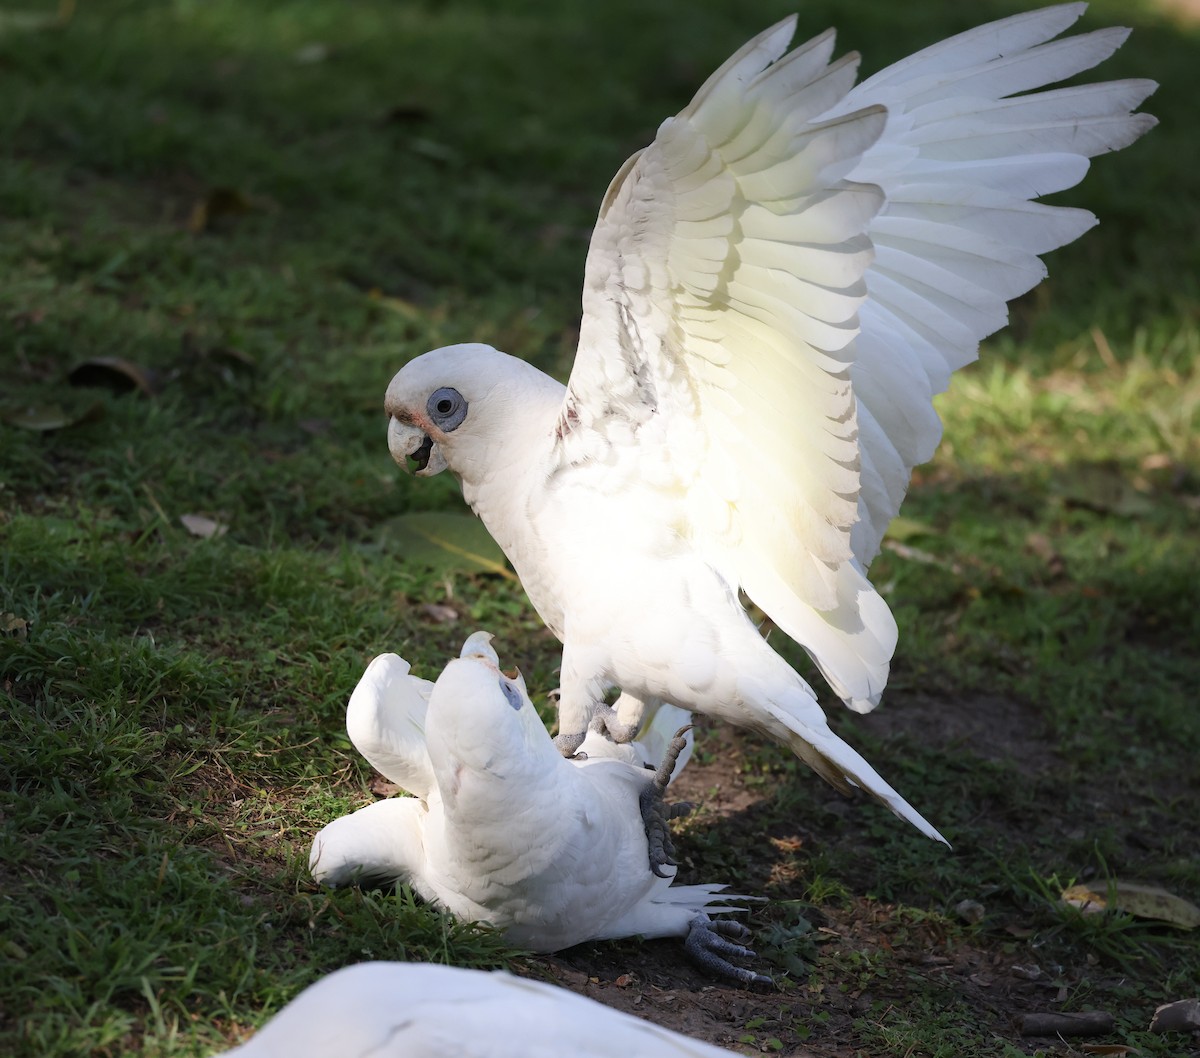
778	285
385	719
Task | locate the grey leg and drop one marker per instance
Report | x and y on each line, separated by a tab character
657	814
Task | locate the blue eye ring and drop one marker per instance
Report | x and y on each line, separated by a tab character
446	408
512	695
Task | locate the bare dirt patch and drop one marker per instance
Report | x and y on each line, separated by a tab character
865	961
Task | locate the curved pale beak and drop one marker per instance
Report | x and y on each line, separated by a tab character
405	442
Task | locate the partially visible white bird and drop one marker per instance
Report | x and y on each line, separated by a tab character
776	288
503	830
421	1010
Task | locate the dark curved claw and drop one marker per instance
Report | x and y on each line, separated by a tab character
707	946
657	814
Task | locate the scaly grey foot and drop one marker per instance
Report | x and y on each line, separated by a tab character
604	718
568	744
707	946
657	814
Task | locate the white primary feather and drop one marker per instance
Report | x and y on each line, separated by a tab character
506	831
423	1010
775	289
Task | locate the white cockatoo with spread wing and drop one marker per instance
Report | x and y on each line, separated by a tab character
775	290
422	1010
503	830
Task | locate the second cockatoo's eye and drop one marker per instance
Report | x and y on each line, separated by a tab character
447	408
512	695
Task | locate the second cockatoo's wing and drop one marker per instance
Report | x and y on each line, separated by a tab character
385	720
734	263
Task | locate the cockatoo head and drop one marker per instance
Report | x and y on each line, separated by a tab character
480	720
457	406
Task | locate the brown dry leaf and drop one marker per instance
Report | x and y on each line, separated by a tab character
925	558
382	787
1039	545
46	417
231	355
400	306
220	203
1134	898
438	613
12	625
311	54
31	21
114	373
1107	1048
202	526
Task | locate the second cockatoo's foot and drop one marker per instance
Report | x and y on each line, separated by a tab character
657	814
708	945
604	718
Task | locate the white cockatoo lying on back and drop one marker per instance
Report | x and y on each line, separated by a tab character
421	1010
502	829
776	288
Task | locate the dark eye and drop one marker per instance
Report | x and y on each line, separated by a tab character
512	694
447	408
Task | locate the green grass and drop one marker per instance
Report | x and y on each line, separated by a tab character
172	714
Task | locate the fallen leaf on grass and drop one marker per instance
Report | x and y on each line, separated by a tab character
432	149
970	911
1107	1048
1104	488
926	558
438	613
446	541
29	21
221	203
407	309
46	417
1134	898
311	54
230	355
1039	545
114	373
12	625
202	526
382	787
